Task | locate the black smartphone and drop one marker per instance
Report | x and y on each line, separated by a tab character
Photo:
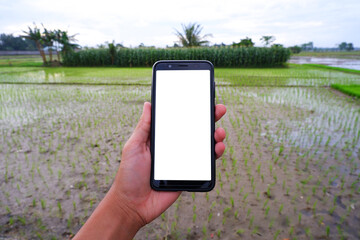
182	126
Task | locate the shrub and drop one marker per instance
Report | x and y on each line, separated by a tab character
146	57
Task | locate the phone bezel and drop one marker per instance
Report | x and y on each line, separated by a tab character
171	185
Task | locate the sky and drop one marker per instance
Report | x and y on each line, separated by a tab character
292	22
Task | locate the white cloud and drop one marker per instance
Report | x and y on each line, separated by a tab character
324	22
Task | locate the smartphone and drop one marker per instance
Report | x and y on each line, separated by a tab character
182	126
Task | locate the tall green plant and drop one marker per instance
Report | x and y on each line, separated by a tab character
112	51
146	57
48	38
35	35
190	37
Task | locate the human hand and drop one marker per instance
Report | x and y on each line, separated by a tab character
130	202
132	186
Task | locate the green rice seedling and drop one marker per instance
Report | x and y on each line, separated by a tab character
204	230
245	196
194	217
281	208
240	231
276	234
327	231
258	168
308	232
265	203
271	223
248	212
321	220
251	221
70	221
226	210
258	196
193	196
314	207
299	217
22	220
218	233
332	209
8	210
236	214
59	208
210	216
232	201
267	211
43	204
291	231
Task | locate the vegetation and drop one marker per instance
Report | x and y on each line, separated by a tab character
220	57
246	42
10	43
295	49
346	46
352	90
191	36
290	170
49	38
267	40
334	68
35	35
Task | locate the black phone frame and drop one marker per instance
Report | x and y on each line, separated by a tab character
192	185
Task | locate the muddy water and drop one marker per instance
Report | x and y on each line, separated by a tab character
291	151
334	62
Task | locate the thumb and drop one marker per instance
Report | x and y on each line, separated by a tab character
142	130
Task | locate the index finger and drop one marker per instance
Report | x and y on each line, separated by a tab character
220	111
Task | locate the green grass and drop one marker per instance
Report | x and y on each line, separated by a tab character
352	90
334	68
293	75
344	54
20	61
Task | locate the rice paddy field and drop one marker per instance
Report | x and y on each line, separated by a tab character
291	169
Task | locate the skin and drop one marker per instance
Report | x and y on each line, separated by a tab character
131	203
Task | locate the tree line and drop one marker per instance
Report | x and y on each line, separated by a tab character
190	36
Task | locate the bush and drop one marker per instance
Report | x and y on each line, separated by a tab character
295	49
146	57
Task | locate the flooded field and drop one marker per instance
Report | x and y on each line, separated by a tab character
291	168
333	62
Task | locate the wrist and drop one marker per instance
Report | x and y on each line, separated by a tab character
122	206
112	219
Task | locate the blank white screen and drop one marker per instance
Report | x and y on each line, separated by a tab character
182	125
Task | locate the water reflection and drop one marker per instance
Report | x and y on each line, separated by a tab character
333	62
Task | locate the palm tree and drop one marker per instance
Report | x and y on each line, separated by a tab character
191	35
49	38
65	40
35	35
